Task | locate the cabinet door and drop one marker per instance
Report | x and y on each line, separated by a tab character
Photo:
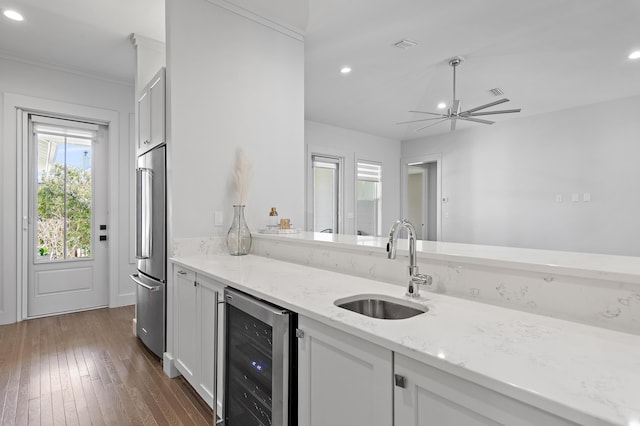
157	109
209	293
433	397
342	379
144	122
185	322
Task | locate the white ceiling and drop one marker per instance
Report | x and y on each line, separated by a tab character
89	36
546	55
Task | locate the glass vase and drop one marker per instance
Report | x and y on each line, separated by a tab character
239	236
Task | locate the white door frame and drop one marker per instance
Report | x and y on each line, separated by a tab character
404	183
345	190
14	107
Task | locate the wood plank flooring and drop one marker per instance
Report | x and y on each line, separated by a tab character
87	368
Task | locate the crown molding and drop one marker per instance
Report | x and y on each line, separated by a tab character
288	30
148	43
48	65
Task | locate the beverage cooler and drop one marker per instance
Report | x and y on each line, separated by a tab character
261	362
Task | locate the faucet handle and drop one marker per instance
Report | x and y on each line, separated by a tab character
422	279
415	281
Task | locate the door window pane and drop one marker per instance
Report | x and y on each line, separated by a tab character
369	199
63	202
325	194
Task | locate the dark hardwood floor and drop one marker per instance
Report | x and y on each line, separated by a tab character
87	368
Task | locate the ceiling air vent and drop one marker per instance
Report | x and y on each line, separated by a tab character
497	91
405	43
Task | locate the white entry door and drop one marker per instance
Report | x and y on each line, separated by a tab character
67	256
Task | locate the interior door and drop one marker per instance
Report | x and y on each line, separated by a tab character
67	226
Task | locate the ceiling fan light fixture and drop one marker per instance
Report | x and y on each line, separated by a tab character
635	55
496	91
455	112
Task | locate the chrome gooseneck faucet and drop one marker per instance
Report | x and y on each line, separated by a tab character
414	277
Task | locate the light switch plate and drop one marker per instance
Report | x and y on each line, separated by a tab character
575	197
218	218
586	197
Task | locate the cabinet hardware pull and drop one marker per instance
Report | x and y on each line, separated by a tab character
299	333
401	381
182	272
195	283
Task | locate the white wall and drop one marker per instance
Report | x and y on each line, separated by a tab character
356	146
232	82
57	85
502	180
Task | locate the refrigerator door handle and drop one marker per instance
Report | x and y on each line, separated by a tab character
135	278
144	203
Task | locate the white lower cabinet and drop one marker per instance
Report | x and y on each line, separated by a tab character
431	397
195	325
342	379
185	322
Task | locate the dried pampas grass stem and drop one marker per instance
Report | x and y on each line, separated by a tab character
241	174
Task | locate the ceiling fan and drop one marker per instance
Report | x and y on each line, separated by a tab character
454	113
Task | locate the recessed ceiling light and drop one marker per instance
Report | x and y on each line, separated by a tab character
345	70
442	105
635	55
12	14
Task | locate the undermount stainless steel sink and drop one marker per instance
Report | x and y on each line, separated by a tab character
381	307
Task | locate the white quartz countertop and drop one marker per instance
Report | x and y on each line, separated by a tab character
586	374
587	265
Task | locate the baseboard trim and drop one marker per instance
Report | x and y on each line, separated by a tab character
168	365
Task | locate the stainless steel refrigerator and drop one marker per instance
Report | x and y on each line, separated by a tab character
151	252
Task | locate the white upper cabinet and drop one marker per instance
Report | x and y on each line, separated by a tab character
152	113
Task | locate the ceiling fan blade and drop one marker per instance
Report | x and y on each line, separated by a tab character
432	124
476	120
490	104
424	119
430	113
502	111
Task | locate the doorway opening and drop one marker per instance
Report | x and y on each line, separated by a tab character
421	195
326	184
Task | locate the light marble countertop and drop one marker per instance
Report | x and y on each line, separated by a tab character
586	374
586	265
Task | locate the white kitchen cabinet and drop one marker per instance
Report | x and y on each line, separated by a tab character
207	300
152	113
431	397
185	323
342	379
195	325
